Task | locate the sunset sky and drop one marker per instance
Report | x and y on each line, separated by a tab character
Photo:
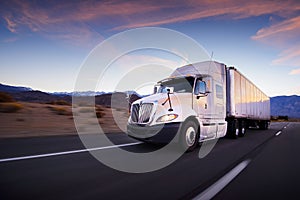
44	43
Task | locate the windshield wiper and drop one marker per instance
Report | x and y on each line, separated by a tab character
168	99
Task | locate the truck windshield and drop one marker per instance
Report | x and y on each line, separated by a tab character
180	85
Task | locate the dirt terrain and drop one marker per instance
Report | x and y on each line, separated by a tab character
38	119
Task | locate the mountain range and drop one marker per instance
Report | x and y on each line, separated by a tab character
9	88
119	100
280	105
286	106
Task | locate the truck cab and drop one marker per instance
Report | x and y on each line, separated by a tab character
188	107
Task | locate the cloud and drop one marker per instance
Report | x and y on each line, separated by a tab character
11	26
283	35
289	56
83	21
10	39
295	72
195	10
291	25
297	91
58	18
24	17
139	60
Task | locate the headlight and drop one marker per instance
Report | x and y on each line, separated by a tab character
168	117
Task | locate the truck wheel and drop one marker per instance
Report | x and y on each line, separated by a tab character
189	135
233	129
263	125
267	125
242	128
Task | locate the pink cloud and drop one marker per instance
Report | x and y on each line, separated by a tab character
11	25
195	10
284	36
288	25
71	20
136	13
295	71
290	56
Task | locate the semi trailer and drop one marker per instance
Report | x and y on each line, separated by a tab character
199	102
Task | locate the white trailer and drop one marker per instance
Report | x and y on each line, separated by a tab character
246	104
201	101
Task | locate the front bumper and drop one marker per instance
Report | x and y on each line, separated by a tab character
163	133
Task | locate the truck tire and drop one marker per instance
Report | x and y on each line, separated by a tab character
189	135
242	128
267	125
233	129
263	125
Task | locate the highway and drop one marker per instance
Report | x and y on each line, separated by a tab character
59	167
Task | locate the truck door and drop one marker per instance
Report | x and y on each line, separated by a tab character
204	107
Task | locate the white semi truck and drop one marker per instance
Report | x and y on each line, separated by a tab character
201	101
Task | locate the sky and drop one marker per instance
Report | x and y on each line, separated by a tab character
43	44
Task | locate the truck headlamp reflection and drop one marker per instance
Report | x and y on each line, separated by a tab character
168	117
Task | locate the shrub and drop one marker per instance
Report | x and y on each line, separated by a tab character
99	112
4	97
10	107
60	102
60	110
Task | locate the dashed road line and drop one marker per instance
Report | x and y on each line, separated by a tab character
278	133
66	152
222	182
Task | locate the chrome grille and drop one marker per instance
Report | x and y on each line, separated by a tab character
141	113
145	112
135	112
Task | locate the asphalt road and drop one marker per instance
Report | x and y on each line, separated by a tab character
271	171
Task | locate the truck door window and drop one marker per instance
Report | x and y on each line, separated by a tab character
200	87
219	91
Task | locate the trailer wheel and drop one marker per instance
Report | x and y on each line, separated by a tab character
189	135
242	128
263	125
267	125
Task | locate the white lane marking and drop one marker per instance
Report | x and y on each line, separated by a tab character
284	127
66	152
221	183
278	133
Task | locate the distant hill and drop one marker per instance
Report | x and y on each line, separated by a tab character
286	106
115	99
87	93
38	97
29	95
9	88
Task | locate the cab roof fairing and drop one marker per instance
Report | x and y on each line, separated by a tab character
213	69
177	77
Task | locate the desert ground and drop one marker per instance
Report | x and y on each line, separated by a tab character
39	119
